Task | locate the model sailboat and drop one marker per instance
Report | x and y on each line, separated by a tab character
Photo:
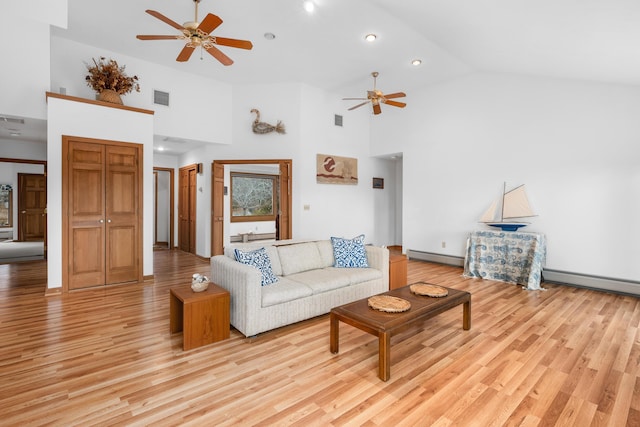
505	212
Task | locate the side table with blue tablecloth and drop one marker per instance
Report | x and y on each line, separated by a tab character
507	256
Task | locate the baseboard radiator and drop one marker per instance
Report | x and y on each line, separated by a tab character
628	287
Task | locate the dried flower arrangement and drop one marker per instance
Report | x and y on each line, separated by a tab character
108	75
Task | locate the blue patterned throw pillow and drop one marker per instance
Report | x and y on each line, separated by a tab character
349	253
260	260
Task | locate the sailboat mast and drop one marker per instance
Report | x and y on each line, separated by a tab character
504	191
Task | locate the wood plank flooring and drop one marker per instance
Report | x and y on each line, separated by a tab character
564	356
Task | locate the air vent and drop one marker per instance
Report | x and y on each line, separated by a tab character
161	98
11	120
337	119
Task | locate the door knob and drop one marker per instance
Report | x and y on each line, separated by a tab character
101	221
23	211
108	220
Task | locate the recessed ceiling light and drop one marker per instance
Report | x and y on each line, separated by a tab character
416	62
160	148
370	37
309	6
14	133
269	36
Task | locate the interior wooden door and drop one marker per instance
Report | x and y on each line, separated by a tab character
217	211
85	212
32	202
121	213
183	210
102	242
192	210
284	205
187	182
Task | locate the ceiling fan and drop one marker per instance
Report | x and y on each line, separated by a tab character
198	34
376	98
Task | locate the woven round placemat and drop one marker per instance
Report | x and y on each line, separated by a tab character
426	289
389	304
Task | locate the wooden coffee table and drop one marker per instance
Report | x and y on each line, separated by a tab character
385	325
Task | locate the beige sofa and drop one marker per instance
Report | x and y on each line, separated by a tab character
308	285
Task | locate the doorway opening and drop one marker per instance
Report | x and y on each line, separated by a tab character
23	237
221	199
164	207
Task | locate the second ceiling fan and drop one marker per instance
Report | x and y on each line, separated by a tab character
376	97
198	34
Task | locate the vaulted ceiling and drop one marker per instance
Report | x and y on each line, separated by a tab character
577	39
593	40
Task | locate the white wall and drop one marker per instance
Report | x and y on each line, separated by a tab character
93	121
574	145
25	70
199	107
308	115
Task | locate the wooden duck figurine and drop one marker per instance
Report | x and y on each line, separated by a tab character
262	127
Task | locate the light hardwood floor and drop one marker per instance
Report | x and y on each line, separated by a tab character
564	356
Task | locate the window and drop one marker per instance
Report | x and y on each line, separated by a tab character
6	214
253	197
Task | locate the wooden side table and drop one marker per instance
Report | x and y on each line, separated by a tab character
397	271
202	316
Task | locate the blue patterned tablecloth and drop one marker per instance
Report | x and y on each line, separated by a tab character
507	256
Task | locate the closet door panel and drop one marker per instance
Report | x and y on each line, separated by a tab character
86	215
122	206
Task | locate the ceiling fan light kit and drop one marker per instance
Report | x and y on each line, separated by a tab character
198	34
376	97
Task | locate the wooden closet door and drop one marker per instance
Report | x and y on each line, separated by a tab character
121	213
86	206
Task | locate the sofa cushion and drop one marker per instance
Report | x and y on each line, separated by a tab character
359	275
230	251
326	253
260	260
283	291
349	253
299	257
323	280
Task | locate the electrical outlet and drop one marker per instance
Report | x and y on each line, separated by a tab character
444	244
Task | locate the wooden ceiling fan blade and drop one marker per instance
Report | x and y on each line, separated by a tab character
396	95
150	37
395	103
359	105
217	53
185	53
164	19
210	23
377	109
242	44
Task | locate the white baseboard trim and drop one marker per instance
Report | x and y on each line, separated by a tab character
433	257
592	282
579	280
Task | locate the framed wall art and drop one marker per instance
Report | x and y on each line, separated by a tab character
336	170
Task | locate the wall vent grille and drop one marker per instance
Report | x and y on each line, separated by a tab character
337	120
161	98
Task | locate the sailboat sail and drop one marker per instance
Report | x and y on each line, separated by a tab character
516	204
507	208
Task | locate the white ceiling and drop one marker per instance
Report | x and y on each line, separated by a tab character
596	40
